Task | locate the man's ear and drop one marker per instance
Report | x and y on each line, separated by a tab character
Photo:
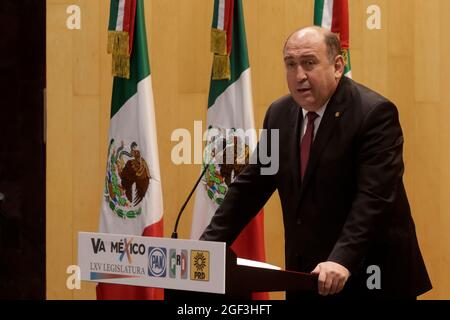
339	65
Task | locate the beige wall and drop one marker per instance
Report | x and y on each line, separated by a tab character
407	60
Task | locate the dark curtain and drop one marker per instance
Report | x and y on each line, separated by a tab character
22	149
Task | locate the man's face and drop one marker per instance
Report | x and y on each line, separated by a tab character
312	78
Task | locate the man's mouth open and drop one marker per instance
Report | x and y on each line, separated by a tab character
303	90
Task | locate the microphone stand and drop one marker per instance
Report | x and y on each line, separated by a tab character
175	233
179	295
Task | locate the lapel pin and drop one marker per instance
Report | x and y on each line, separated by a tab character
337	114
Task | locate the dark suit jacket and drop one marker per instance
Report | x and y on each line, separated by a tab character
351	207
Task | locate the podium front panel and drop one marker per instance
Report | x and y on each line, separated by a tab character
152	262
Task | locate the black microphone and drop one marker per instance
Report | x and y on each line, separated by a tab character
175	233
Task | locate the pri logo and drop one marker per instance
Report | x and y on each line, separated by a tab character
178	261
157	262
199	265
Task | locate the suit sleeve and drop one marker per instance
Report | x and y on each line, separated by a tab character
246	195
379	173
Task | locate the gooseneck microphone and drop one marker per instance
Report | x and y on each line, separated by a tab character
175	233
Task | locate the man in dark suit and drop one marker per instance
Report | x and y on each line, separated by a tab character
340	180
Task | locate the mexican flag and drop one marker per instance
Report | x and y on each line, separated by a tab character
333	15
230	108
132	200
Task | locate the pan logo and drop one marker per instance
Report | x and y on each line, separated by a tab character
157	262
199	265
178	261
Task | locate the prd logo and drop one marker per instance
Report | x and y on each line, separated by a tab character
199	265
157	262
178	261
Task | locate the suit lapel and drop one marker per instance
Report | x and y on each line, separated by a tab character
296	121
333	113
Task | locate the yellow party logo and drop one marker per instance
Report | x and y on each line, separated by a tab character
199	265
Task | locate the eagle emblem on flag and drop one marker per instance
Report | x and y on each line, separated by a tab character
127	180
226	155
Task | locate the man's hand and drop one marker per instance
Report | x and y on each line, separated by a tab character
332	277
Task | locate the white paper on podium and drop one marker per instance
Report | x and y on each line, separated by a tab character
256	264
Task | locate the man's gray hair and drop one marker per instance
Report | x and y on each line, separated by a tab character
333	45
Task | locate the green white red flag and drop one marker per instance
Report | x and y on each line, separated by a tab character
230	106
333	15
132	201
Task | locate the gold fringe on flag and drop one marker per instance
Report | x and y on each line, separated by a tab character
221	67
221	64
219	41
345	56
118	46
121	66
118	43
